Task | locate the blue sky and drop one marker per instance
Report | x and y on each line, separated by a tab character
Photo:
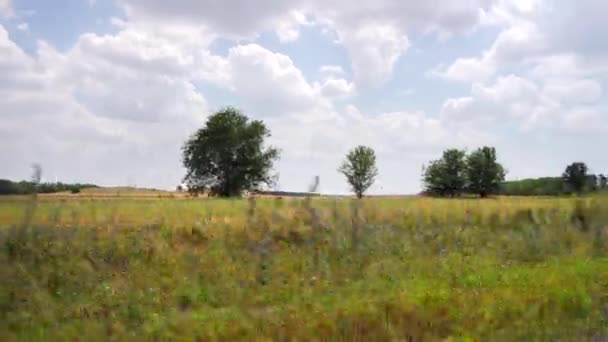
107	91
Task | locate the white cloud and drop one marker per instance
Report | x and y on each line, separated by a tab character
514	45
136	76
374	51
558	104
101	103
235	18
374	45
6	8
569	65
288	29
269	84
537	32
510	99
467	70
337	88
23	27
332	69
573	91
587	120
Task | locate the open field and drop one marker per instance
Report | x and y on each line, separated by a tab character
381	269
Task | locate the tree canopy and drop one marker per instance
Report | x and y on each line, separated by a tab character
360	169
228	156
446	176
484	174
8	187
545	186
457	173
575	176
603	182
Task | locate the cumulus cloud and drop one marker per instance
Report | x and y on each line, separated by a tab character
235	18
373	45
466	70
269	84
510	97
573	91
288	29
535	33
514	45
332	69
98	104
337	88
374	51
587	120
569	65
6	8
560	104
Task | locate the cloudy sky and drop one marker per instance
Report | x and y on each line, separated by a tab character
106	91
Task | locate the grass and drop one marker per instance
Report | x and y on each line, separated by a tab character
400	269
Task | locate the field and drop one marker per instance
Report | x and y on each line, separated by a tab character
380	269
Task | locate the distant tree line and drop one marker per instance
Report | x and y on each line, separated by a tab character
287	193
8	187
228	156
551	186
457	173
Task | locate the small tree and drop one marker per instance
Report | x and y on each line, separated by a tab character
603	182
592	183
575	176
484	174
360	169
446	177
227	155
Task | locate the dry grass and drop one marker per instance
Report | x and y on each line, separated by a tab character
416	269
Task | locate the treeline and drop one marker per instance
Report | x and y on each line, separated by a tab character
8	187
457	173
549	186
228	156
287	193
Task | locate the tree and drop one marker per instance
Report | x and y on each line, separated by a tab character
592	183
546	186
575	176
360	169
483	173
228	156
446	177
603	182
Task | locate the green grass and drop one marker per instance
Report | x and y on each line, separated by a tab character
417	268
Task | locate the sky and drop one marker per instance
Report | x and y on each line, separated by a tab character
107	91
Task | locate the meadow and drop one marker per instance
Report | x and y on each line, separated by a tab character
269	269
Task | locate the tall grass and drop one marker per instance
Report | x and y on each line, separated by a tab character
290	269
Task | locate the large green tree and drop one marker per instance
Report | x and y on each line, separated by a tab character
575	176
360	169
228	155
445	176
483	172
